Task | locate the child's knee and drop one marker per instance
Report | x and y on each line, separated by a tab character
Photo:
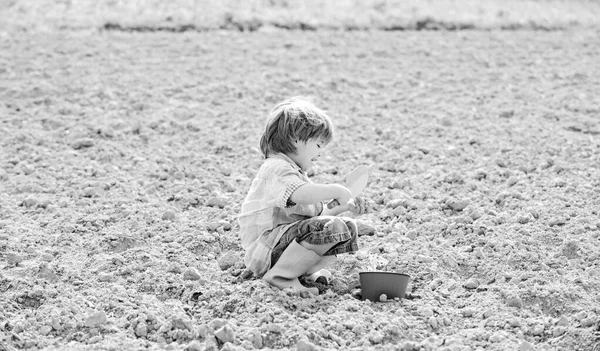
337	225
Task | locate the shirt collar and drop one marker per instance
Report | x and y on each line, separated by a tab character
286	158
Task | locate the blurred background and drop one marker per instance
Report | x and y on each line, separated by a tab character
252	15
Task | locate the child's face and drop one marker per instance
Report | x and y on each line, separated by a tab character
307	152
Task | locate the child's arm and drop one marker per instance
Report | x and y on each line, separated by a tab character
310	193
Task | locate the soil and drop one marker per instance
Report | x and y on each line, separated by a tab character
125	157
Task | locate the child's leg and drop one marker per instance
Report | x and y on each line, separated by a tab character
324	235
318	271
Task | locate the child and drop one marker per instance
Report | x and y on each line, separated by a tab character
287	230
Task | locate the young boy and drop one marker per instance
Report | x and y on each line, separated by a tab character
287	230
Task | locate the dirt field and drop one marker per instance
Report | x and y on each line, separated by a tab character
124	158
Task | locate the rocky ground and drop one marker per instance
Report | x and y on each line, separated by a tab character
124	158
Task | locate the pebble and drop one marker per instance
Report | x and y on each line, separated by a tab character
228	260
588	322
497	337
305	345
538	330
471	284
580	315
141	329
95	319
45	330
27	169
29	202
225	334
563	321
376	337
105	277
457	205
408	346
383	298
195	345
468	312
168	216
181	322
557	221
512	181
219	202
514	302
526	346
365	229
191	273
13	259
82	143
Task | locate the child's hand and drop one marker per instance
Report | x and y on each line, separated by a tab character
343	195
358	206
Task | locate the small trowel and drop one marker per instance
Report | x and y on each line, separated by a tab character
355	181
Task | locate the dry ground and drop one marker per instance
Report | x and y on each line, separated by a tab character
125	157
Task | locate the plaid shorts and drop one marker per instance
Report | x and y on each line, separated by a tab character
316	231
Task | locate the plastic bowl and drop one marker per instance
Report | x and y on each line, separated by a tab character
375	284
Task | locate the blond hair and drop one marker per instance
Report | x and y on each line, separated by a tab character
295	119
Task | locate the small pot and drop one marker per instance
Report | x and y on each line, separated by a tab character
374	284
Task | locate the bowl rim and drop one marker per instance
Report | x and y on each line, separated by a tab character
381	272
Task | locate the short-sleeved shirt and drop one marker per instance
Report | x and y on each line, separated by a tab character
267	212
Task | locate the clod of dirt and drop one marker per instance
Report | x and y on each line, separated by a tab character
191	273
96	319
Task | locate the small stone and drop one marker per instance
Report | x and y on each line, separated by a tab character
191	273
588	322
497	337
168	216
563	321
305	345
383	298
558	331
219	202
433	322
525	346
82	143
13	259
225	334
228	260
181	322
514	322
475	214
457	205
471	284
95	319
30	202
468	312
375	337
141	329
45	330
105	277
580	315
365	229
195	345
95	339
538	330
512	181
514	302
557	221
27	169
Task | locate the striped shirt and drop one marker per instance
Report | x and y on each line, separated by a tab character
267	212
